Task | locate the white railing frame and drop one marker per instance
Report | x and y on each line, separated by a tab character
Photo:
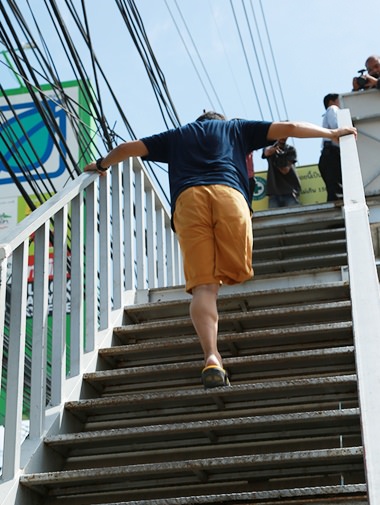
365	297
115	253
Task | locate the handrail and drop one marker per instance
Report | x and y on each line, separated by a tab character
105	239
365	297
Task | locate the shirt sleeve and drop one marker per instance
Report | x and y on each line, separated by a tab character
158	147
332	117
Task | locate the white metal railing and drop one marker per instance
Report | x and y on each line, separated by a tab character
105	238
365	297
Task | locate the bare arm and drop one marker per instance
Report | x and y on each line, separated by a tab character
279	130
120	153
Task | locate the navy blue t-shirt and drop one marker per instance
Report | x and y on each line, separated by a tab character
208	152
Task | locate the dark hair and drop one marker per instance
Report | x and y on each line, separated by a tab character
211	115
331	97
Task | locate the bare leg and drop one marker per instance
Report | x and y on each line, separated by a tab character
204	315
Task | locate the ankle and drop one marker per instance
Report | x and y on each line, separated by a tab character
214	359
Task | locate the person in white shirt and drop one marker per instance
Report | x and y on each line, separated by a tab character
329	162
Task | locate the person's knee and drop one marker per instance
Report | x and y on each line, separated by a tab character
205	290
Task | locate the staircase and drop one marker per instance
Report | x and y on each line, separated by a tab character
287	431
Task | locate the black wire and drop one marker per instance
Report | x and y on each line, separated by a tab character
78	62
146	54
175	118
56	85
191	58
99	95
200	59
50	74
246	59
273	58
46	112
269	74
257	60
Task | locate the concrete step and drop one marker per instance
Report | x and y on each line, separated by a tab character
276	395
285	243
243	301
247	320
199	476
322	495
326	495
297	238
296	251
292	264
261	341
350	494
241	370
293	425
288	221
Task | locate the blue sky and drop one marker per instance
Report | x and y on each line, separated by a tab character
318	46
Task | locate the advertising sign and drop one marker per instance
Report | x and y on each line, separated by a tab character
26	141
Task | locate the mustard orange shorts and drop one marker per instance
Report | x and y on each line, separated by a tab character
214	229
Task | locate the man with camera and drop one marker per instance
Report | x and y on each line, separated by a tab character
372	78
283	184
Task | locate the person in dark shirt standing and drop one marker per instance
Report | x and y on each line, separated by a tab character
211	212
283	184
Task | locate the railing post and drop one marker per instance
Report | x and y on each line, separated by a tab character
365	297
76	313
3	298
129	231
58	351
40	323
91	248
151	238
161	248
104	252
170	256
140	229
16	357
117	238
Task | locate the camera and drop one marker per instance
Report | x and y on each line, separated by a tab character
284	157
281	159
361	81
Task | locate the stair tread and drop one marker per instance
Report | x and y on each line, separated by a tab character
222	397
262	338
256	496
240	301
336	419
295	236
305	358
249	313
257	462
300	249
